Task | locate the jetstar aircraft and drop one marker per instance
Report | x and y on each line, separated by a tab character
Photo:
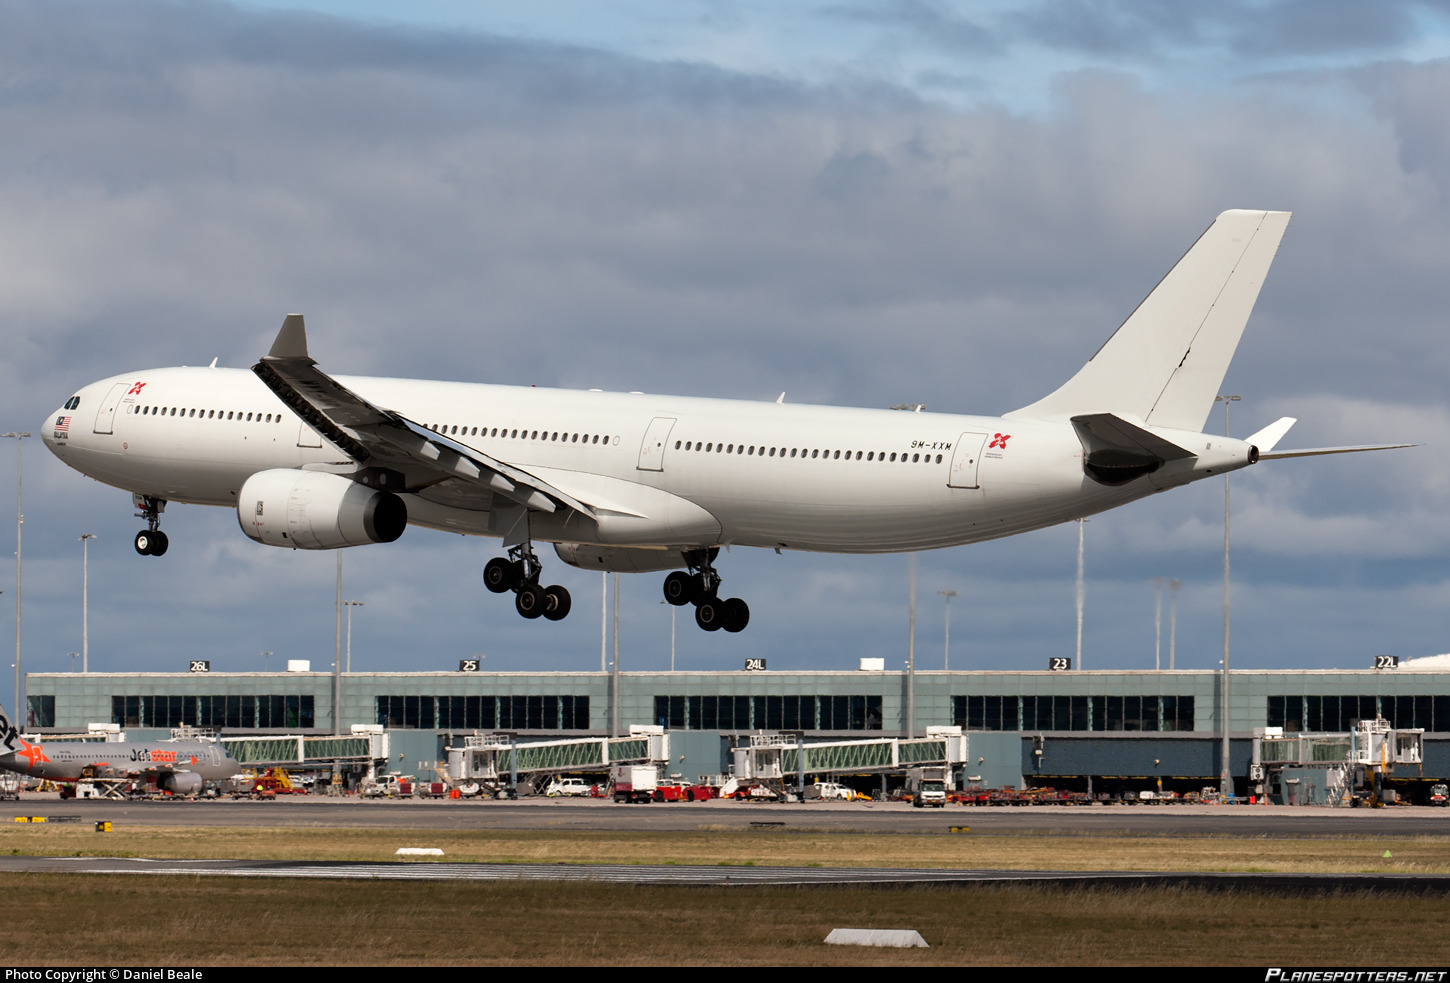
178	767
632	482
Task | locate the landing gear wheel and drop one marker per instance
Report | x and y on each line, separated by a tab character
530	601
556	603
737	615
151	542
680	588
500	575
710	614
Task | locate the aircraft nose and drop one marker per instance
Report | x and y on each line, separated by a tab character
55	431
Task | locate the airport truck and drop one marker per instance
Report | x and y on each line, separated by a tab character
634	783
927	787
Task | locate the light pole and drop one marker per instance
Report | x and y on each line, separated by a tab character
19	436
1081	592
337	657
350	605
73	657
85	600
266	661
1173	586
1157	623
673	609
1225	779
911	651
946	663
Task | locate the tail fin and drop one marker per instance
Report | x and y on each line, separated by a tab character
1165	364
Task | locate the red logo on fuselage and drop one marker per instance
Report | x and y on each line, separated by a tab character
135	390
999	440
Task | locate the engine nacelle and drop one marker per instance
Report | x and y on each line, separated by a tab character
179	782
317	510
619	559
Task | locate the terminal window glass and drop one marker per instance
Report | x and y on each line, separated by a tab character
41	711
1073	713
1337	714
294	712
793	712
547	712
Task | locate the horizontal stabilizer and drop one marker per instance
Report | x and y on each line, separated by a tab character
1116	451
1268	438
1321	451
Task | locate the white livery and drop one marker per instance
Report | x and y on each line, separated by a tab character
630	482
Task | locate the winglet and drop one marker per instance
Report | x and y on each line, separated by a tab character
291	340
1268	438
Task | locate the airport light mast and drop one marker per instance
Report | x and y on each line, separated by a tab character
1225	776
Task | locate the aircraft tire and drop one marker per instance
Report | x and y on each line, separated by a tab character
159	542
530	601
680	588
710	614
143	543
498	575
737	615
556	603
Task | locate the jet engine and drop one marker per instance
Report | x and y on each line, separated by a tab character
179	782
317	510
619	559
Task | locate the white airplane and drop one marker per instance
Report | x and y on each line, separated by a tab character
178	767
632	482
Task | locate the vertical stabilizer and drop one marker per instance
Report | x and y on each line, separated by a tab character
1165	364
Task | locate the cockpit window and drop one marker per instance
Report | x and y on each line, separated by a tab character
73	402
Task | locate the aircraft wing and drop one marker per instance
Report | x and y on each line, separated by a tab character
380	438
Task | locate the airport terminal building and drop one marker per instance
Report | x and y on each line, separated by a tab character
1097	731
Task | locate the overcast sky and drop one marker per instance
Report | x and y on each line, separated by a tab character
854	202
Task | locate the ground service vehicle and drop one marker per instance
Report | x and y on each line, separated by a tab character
634	783
927	787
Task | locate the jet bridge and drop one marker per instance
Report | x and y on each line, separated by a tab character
498	759
367	744
773	758
1350	763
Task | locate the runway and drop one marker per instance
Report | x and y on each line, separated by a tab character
720	876
887	817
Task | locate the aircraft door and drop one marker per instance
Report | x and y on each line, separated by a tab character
966	460
652	450
106	415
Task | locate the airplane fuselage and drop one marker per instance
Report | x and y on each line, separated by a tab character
69	761
660	471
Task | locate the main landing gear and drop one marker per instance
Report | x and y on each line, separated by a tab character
520	574
150	541
701	587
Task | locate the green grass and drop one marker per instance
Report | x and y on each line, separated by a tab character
180	921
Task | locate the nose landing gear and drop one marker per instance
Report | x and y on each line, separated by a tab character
150	541
520	574
701	587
